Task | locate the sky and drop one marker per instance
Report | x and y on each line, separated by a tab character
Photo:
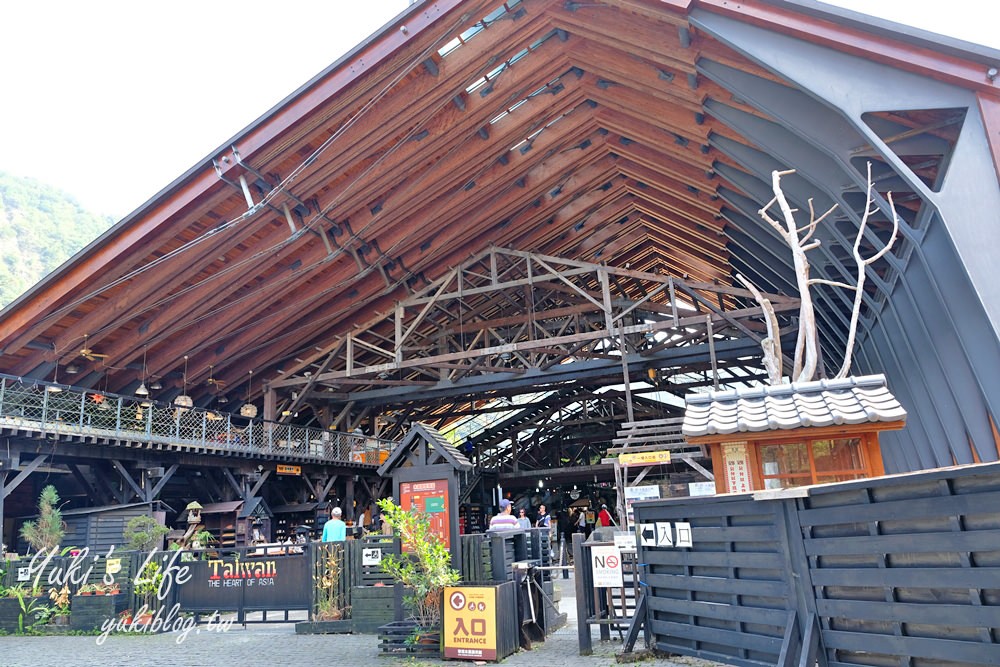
112	100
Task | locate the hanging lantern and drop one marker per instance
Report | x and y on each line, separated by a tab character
248	409
183	402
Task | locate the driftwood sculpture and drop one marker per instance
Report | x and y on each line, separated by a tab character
798	238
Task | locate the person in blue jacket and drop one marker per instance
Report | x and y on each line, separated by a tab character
335	530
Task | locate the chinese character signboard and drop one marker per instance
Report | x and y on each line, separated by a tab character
430	497
469	627
644	458
642	492
737	467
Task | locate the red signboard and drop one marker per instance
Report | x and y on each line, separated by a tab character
430	497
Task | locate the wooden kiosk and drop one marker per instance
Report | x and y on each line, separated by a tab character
781	436
427	473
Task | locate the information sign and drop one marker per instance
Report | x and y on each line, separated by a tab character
470	622
606	564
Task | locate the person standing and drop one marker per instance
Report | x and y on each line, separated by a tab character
544	520
604	518
564	524
503	519
335	530
522	519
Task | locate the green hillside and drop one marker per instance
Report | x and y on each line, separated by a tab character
40	228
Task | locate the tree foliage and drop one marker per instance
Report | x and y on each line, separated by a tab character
425	567
144	532
45	532
40	228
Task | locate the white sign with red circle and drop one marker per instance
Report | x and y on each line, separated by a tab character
606	564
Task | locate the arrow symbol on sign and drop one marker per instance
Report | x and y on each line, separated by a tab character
647	534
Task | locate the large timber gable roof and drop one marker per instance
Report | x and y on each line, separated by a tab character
637	134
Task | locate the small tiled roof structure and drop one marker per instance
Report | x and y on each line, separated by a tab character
852	400
427	445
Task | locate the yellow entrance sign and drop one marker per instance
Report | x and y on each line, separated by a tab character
470	622
289	470
644	458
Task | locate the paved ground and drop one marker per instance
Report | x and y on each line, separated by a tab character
277	644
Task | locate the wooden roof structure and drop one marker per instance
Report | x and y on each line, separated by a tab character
489	197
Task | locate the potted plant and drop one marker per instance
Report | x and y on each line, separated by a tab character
327	582
60	608
89	589
424	566
146	586
46	532
329	614
202	539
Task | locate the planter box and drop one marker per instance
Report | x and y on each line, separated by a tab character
394	640
10	612
324	627
10	609
372	607
91	611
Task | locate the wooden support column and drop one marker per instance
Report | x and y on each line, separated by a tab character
349	499
100	475
138	490
3	480
260	482
240	490
8	488
270	402
155	491
326	488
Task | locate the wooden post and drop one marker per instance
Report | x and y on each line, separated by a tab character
581	568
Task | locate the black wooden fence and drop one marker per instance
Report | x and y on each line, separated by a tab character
901	570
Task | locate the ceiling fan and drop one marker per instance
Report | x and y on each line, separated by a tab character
88	353
212	380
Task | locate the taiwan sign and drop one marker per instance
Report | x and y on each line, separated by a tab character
469	627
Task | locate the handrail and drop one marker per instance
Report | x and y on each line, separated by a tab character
62	409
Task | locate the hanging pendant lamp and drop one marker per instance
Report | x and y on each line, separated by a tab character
184	401
248	409
142	391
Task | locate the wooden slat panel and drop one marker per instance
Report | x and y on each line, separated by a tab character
724	612
762	561
914	647
915	508
946	543
931	614
757	587
746	640
908	577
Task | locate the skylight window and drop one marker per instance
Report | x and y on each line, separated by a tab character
498	14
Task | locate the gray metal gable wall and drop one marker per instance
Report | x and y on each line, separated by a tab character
871	572
936	308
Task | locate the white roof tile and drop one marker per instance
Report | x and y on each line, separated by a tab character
853	400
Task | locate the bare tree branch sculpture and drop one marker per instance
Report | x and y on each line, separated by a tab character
798	239
771	345
862	263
